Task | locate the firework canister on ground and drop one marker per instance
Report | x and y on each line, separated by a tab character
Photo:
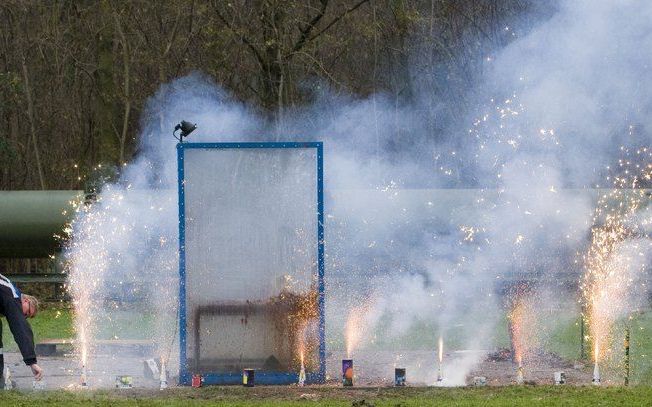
124	382
196	380
347	372
399	376
248	377
39	385
479	381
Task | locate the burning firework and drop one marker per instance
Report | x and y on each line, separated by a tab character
440	355
302	372
615	256
163	379
523	324
306	345
83	354
85	264
355	326
347	372
519	375
596	367
83	380
302	346
101	243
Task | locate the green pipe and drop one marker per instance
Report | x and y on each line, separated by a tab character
29	221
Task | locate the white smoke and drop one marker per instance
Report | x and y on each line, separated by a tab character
556	107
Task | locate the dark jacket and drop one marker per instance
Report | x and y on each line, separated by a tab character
11	307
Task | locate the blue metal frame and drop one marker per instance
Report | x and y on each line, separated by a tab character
261	377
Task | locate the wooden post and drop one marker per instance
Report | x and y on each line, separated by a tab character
627	356
582	354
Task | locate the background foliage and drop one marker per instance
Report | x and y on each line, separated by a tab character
74	75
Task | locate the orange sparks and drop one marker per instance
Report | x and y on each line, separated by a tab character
355	325
614	260
523	325
302	343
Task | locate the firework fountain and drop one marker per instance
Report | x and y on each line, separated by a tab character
163	377
302	370
83	288
102	283
615	258
516	323
352	336
523	328
302	353
354	329
596	367
440	356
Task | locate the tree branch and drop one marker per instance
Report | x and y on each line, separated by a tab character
471	20
333	22
305	32
122	138
175	29
242	37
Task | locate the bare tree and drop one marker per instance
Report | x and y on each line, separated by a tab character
126	83
74	76
280	37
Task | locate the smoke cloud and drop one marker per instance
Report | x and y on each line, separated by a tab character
423	227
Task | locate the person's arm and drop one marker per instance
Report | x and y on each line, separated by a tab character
19	327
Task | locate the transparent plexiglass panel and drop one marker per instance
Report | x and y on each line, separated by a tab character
251	258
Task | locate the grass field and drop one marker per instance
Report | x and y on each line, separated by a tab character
330	396
52	322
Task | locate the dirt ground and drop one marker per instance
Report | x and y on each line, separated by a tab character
372	369
539	370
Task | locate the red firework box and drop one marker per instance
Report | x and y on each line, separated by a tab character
347	372
196	380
